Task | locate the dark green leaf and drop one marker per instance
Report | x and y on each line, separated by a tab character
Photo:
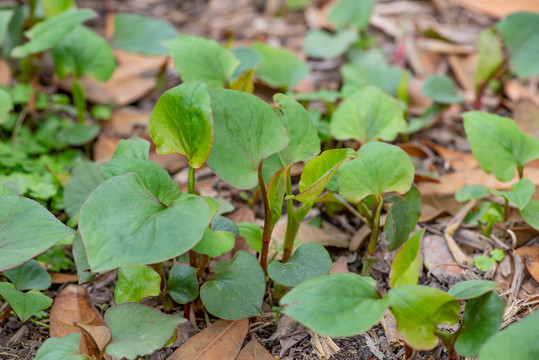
86	177
183	283
24	304
79	255
79	134
28	276
221	223
441	89
65	348
470	289
402	218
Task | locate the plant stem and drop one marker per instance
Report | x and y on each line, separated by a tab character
191	180
520	169
204	260
266	233
4	313
79	100
369	259
483	86
166	301
292	225
505	209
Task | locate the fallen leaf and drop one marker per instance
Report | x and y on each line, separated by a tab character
438	259
442	47
60	278
389	323
254	351
464	69
98	336
516	91
359	237
5	74
72	305
124	121
530	258
340	266
105	146
457	159
526	115
221	341
170	162
499	8
418	102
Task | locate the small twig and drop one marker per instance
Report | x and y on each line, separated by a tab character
453	226
518	275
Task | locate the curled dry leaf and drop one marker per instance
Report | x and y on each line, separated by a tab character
499	8
72	305
254	351
221	341
530	258
98	336
340	266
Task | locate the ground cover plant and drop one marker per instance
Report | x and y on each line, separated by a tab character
299	158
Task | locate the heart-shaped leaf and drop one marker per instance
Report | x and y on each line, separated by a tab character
200	59
469	192
441	89
405	267
275	193
135	228
21	239
470	289
308	261
336	304
79	134
181	122
368	115
402	218
79	255
221	223
531	213
482	319
323	45
358	76
133	148
252	233
520	194
351	13
138	330
236	292
246	131
380	168
135	283
249	60
66	348
86	177
498	144
215	243
24	304
419	310
28	276
183	283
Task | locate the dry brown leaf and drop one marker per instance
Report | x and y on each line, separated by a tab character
500	8
124	121
254	351
442	47
530	258
359	237
339	266
221	341
464	69
457	159
72	305
526	115
516	91
60	278
170	162
105	146
437	258
99	336
5	74
389	323
418	102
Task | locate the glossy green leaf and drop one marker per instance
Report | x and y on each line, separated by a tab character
133	148
252	233
279	67
79	134
86	177
469	192
471	289
83	52
517	341
22	240
441	89
531	213
336	305
520	194
402	217
351	13
65	348
498	144
368	115
489	56
181	122
81	261
276	191
520	32
135	283
154	177
183	283
24	304
357	76
246	131
308	261
141	34
215	243
237	292
380	168
6	105
407	262
28	276
320	44
419	310
482	319
200	59
135	228
46	34
138	330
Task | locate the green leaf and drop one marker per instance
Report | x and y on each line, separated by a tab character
471	289
380	168
5	191
351	13
154	177
5	18
498	144
66	348
482	319
221	223
497	254
252	233
325	95
135	219
308	261
469	192
86	177
28	276
249	59
133	147
531	213
183	283
138	330
24	304
237	292
135	283
81	261
46	34
489	56
441	89
55	7
275	193
79	134
6	104
13	33
419	310
83	52
368	115
517	341
279	67
199	59
405	267
336	305
141	34
484	263
402	218
181	122
215	243
246	131
357	77
320	44
520	32
22	240
520	194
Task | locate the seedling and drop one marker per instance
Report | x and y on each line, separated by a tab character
484	263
